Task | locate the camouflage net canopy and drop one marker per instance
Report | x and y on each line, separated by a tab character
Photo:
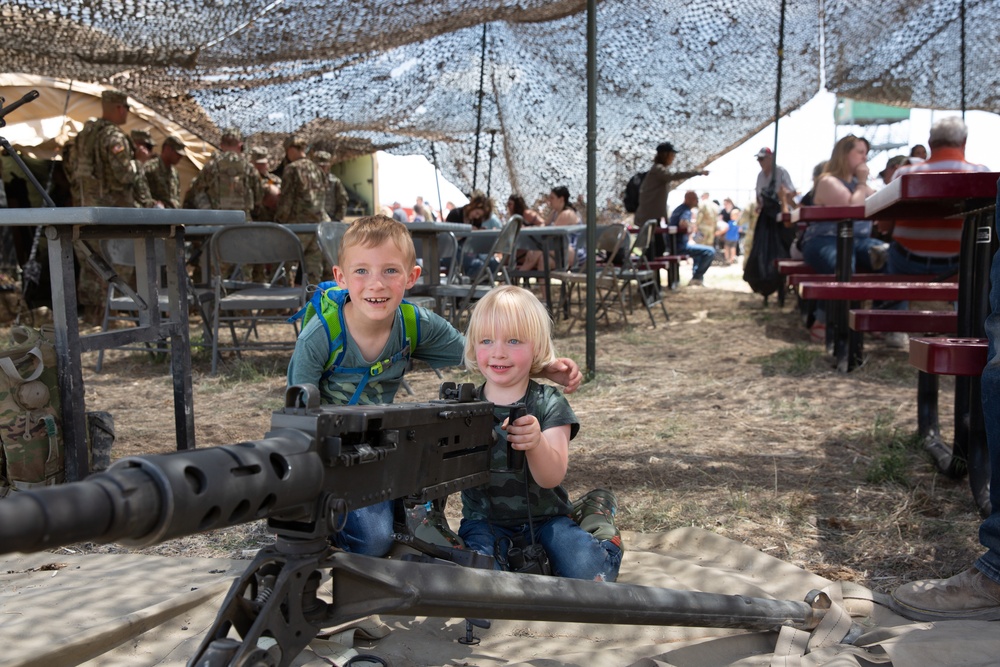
403	75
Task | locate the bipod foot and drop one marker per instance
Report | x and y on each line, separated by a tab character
470	639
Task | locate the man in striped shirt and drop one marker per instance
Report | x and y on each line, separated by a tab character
920	246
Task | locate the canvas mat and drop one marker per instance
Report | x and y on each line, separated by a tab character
132	610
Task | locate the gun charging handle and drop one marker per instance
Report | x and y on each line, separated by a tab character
515	457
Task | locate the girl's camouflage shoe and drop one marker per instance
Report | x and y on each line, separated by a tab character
595	512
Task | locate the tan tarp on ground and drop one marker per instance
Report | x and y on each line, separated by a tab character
41	127
103	605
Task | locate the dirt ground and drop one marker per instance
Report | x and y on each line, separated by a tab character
726	418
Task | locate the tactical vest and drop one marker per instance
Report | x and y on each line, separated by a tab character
228	189
85	163
31	438
328	302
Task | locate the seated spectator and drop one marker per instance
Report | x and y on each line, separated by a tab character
703	255
478	213
562	212
844	182
525	258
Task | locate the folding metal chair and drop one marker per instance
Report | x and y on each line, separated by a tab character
636	269
493	272
243	303
121	307
609	281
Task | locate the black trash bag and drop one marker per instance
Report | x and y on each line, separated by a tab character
771	241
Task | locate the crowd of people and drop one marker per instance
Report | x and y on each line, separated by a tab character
108	167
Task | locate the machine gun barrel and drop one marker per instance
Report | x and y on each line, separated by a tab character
314	464
147	499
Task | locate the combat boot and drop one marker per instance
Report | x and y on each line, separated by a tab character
595	512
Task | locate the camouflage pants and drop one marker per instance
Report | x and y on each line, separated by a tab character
313	270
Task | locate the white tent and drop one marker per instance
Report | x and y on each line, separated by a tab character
42	127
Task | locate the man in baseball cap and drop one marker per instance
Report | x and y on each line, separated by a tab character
656	184
765	158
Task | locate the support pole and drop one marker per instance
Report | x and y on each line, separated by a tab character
437	181
591	352
479	109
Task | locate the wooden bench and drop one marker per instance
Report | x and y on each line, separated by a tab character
964	358
670	264
871	289
906	321
796	280
949	356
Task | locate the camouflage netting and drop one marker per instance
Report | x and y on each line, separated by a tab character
362	74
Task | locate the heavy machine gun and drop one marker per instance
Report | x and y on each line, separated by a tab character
314	465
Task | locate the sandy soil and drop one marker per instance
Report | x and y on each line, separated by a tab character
725	418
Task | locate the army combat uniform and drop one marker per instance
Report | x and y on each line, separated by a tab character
303	199
164	182
227	183
104	173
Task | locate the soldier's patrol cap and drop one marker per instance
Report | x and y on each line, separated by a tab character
142	137
258	154
296	140
114	97
174	142
322	157
232	134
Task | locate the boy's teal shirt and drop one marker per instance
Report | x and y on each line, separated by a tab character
440	345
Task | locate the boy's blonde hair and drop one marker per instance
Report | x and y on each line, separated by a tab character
374	230
511	312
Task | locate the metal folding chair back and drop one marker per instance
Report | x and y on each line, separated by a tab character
493	272
637	269
243	303
328	235
608	281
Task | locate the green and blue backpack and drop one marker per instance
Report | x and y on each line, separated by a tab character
328	303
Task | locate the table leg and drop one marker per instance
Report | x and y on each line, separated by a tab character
67	334
180	345
845	346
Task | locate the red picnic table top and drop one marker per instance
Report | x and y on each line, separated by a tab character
933	195
828	213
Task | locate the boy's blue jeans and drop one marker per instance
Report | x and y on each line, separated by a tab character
573	552
989	530
367	531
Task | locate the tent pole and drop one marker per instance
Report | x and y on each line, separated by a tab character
591	352
962	15
437	182
489	172
479	109
777	97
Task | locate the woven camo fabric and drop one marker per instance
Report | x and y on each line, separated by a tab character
360	75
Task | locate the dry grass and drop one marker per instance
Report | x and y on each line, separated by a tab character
726	419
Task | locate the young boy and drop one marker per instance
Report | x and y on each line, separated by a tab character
524	504
377	264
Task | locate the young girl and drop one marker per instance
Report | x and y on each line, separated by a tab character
507	341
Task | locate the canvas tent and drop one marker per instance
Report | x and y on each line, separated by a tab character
40	128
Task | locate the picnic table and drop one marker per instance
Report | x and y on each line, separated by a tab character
62	227
846	343
930	196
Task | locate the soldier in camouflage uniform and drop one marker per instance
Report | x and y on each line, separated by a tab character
227	182
303	199
103	172
336	193
161	174
143	146
270	184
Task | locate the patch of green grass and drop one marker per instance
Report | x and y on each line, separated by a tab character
893	451
790	409
796	361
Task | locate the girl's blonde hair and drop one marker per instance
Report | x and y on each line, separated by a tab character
373	231
511	312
